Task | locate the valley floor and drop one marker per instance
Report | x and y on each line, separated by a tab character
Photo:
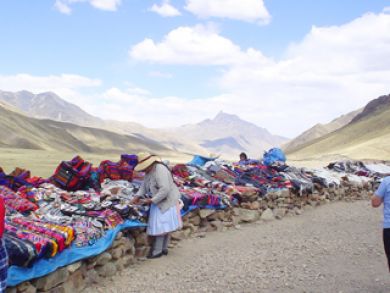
43	163
334	248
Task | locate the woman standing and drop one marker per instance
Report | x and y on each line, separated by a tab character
164	216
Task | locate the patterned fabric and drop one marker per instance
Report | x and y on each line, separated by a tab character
15	202
3	266
122	170
72	175
21	252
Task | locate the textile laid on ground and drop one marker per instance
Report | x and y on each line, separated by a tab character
80	205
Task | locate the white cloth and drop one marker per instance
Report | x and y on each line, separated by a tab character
161	223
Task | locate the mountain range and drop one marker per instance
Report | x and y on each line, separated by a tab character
46	121
366	136
225	134
319	130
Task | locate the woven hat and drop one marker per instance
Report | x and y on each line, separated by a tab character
145	160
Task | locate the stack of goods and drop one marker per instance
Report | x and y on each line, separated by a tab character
51	219
72	175
16	202
300	180
263	177
379	170
16	179
38	238
122	170
351	167
359	174
324	177
275	157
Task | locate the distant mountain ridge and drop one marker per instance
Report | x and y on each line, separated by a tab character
367	136
225	134
20	131
48	105
320	130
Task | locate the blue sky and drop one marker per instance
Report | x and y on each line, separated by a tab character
94	53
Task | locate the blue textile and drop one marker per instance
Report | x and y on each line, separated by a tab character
3	266
200	161
383	192
273	155
161	223
42	267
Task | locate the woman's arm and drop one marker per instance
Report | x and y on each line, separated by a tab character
376	201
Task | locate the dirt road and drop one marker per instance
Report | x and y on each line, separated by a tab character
333	248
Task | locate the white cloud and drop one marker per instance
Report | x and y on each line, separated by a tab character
331	71
245	10
198	45
386	9
63	6
165	9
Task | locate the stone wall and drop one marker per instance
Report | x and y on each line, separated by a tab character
131	246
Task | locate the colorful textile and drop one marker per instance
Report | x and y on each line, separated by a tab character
15	202
21	252
3	266
72	175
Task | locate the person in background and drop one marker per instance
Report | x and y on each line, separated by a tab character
164	215
382	195
245	161
3	251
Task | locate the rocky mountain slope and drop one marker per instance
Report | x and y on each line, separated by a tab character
367	136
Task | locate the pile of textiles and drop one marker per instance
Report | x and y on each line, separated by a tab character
72	175
380	170
47	238
122	170
300	180
324	177
16	179
52	218
230	183
359	173
263	177
350	167
16	202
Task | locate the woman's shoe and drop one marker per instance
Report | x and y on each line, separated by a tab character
165	252
151	256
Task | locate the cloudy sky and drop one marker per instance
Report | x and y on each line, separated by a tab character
283	65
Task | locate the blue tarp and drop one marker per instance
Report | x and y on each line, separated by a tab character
274	155
42	267
200	160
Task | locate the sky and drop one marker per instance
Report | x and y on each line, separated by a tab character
283	65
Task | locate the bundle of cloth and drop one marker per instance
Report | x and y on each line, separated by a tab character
53	219
121	170
16	179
